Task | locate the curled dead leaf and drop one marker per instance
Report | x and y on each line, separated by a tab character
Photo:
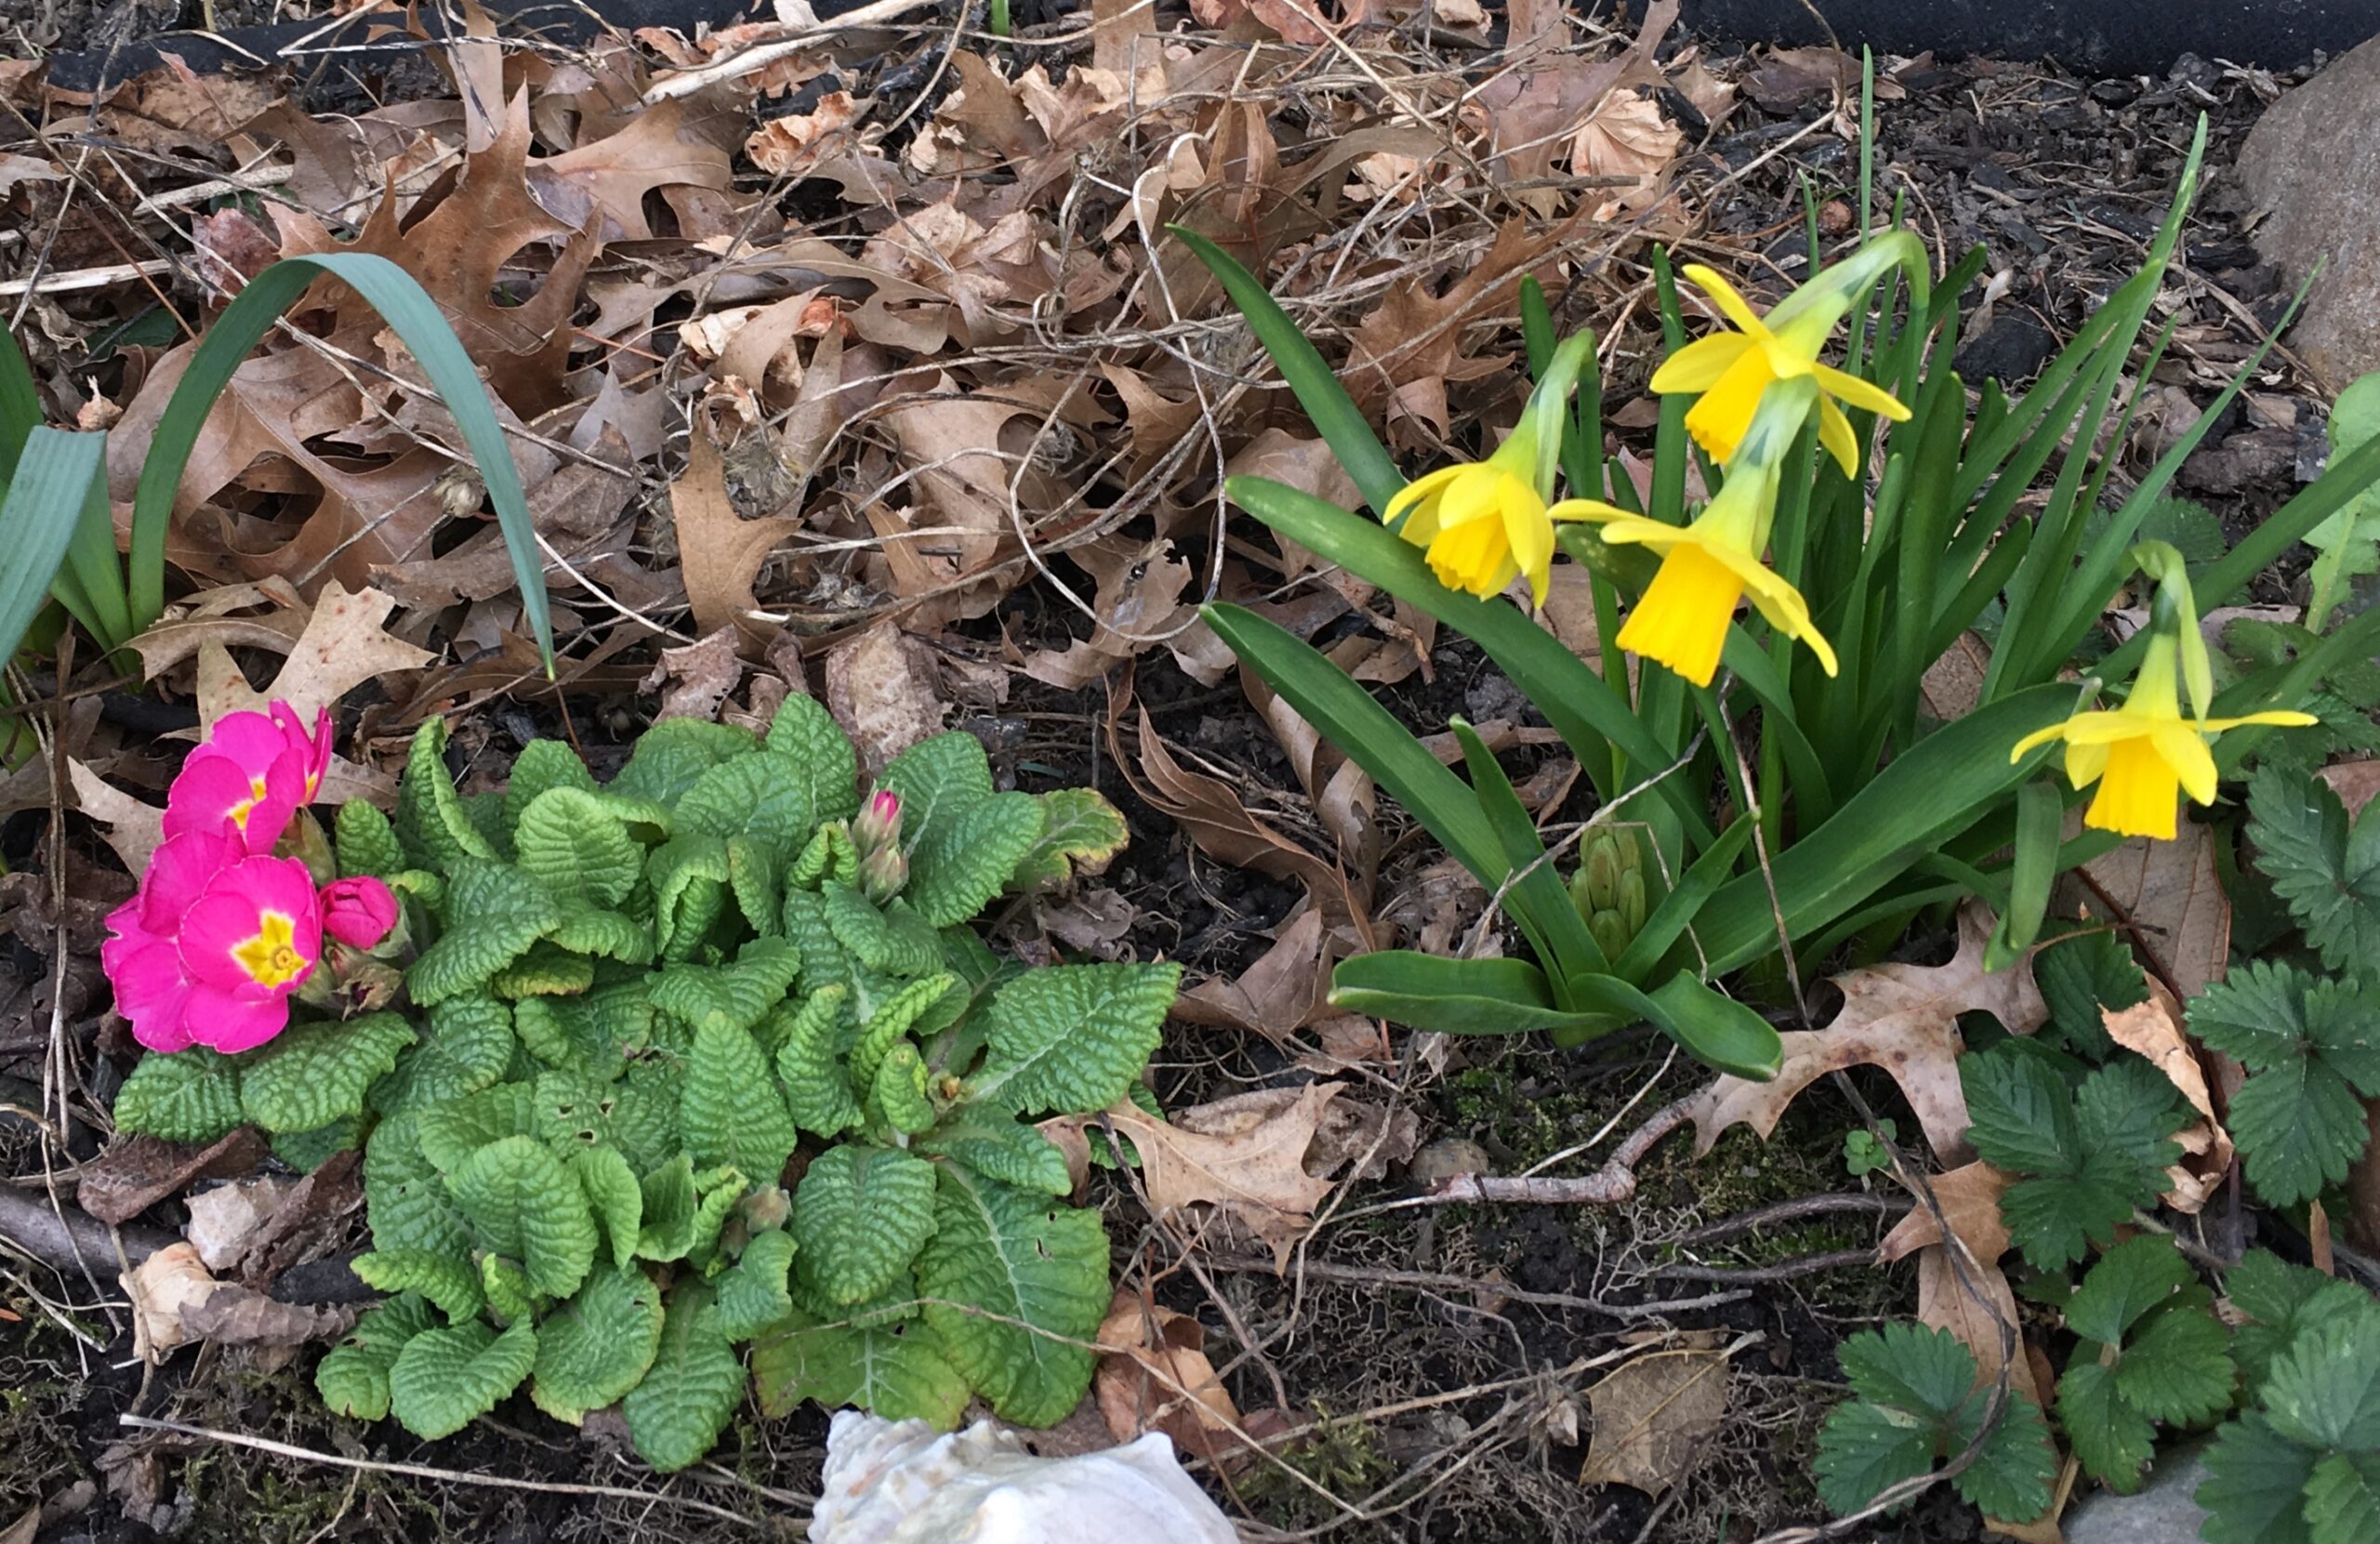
1154	1376
1253	1167
881	689
2153	1027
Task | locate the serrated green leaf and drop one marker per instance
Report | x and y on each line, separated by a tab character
2113	1440
547	971
756	878
730	997
895	941
689	877
1080	833
2255	1488
2128	1281
730	1111
828	855
448	1134
673	753
1909	1367
444	1380
189	1095
2011	1476
609	934
860	1216
957	865
595	1348
542	765
2324	1390
1004	1150
2311	1045
613	1198
1072	1039
751	1294
485	811
521	1202
2083	976
309	1076
2343	1496
497	912
818	1093
2090	1157
806	734
1015	1288
451	1285
940	776
578	845
466	1047
2327	870
510	1294
432	826
2021	1113
366	843
765	797
694	1386
306	1151
667	1229
405	1199
1864	1449
2177	1369
2283	1300
896	1370
588	1036
353	1376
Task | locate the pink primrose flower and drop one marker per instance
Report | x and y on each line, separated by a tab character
358	912
257	771
211	950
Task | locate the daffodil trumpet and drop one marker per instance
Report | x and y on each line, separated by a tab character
2143	755
1732	370
1709	567
1481	525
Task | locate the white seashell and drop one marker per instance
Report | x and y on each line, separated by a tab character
898	1482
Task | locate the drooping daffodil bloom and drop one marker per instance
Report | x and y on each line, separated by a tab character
1732	370
2147	752
1481	525
1709	567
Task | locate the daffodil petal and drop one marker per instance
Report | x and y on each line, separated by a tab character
2108	726
1681	621
1732	305
2279	718
1835	433
2034	742
1530	535
2184	749
2084	763
1859	393
1417	504
1472	557
2136	793
1787	611
1587	508
1720	419
1699	366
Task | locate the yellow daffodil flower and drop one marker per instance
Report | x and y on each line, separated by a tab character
1733	370
2145	753
1481	525
1709	567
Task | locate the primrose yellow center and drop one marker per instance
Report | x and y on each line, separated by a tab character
256	795
271	959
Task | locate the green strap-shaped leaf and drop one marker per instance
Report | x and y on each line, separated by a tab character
496	911
1015	1288
575	842
607	933
366	843
596	1347
189	1095
427	334
731	997
1069	1039
892	1020
431	823
895	939
694	1386
445	1378
756	876
752	1294
510	1294
730	1111
524	1203
309	1076
446	1282
896	1370
1004	1150
1080	833
897	1094
353	1378
818	1093
613	1195
689	877
860	1216
547	971
671	755
806	734
466	1047
448	1134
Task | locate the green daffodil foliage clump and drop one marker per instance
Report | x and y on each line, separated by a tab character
1762	740
704	1058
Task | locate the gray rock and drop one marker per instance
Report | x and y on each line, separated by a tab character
2161	1513
2312	165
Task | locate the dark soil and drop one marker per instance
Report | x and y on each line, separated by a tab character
2062	180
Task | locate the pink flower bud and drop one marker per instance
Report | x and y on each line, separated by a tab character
879	824
882	873
358	912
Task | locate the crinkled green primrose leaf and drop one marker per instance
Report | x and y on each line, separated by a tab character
1015	1287
353	1376
860	1216
596	1347
189	1095
309	1076
444	1380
